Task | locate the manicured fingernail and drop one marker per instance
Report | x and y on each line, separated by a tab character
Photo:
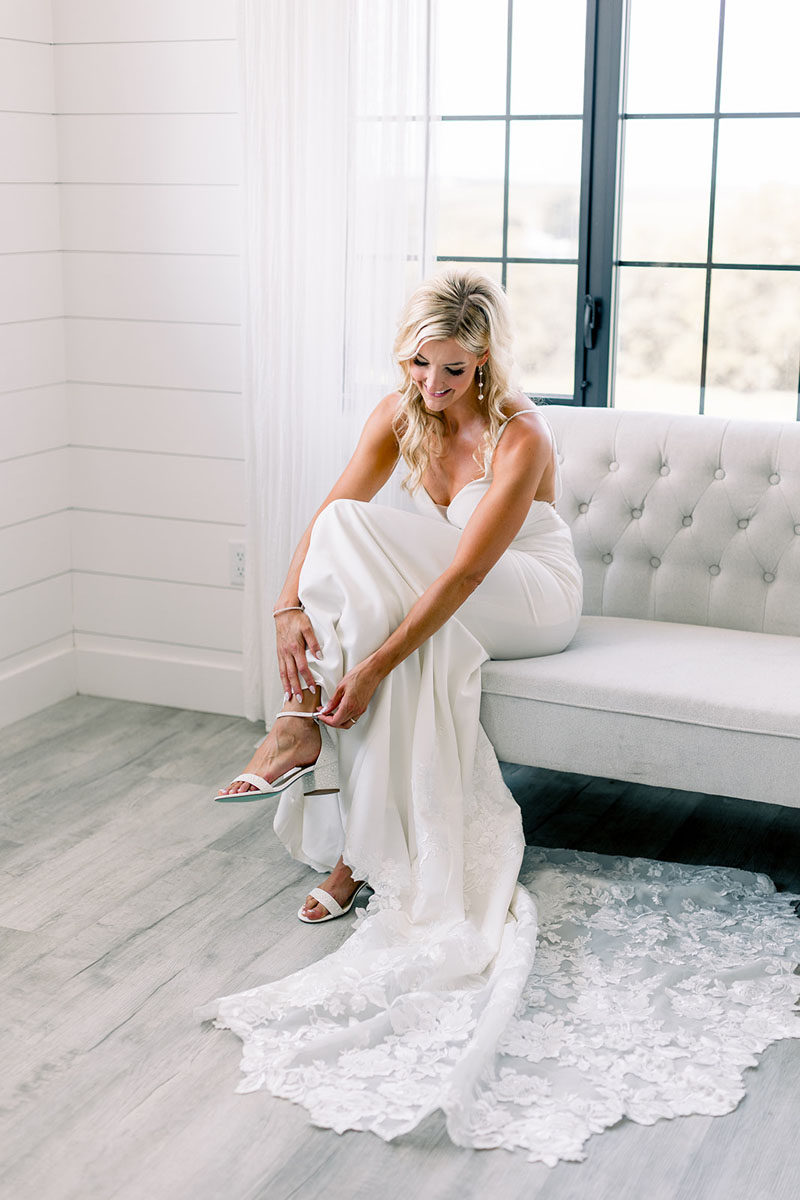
298	696
287	695
319	654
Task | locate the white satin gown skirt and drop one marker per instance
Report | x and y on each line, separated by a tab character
652	986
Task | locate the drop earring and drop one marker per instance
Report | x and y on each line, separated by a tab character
480	385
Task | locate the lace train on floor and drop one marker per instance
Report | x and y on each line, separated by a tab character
533	1009
648	990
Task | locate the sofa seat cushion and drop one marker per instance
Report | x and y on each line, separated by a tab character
695	674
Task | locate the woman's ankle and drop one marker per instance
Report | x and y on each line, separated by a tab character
310	700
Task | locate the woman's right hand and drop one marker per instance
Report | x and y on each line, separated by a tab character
295	637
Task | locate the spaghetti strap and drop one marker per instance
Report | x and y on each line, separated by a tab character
557	484
518	413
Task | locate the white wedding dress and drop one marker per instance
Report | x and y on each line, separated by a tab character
532	1008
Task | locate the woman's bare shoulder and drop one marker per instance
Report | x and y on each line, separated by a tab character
392	401
388	408
518	402
520	405
531	437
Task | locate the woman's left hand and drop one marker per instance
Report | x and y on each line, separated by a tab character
351	697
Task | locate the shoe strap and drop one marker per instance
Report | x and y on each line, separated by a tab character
311	716
327	901
256	781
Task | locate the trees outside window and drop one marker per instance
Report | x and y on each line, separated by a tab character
630	172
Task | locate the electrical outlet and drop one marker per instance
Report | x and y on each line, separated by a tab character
236	563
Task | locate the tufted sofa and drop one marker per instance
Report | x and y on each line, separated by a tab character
685	671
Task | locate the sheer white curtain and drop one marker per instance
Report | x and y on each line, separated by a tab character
338	150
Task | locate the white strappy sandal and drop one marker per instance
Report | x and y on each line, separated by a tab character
320	776
334	908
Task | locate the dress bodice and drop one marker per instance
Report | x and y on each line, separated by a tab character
542	515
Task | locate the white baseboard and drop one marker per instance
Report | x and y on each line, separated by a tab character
179	677
37	679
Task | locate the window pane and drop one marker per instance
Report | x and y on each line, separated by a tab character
471	166
666	190
753	345
547	54
672	56
759	56
659	339
757	214
543	300
493	269
544	189
472	55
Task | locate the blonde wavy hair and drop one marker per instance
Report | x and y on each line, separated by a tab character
463	304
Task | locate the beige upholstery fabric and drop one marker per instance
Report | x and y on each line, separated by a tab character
693	519
685	671
725	678
753	766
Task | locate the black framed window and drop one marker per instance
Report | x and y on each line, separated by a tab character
511	95
707	271
630	172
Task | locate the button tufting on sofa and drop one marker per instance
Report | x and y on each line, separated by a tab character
582	508
636	513
664	469
682	675
655	562
719	473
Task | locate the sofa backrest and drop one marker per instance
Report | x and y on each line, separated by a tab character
683	518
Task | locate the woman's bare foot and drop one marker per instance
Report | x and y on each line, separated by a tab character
290	743
339	884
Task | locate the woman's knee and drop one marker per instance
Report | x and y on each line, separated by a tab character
342	509
336	516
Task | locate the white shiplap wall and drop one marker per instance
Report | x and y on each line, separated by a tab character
148	150
37	662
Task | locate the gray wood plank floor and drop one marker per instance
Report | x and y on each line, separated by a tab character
127	897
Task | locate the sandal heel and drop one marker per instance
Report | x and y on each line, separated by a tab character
325	776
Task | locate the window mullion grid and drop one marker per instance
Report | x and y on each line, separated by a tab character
711	207
507	160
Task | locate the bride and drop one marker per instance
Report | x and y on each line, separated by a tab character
440	998
487	546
